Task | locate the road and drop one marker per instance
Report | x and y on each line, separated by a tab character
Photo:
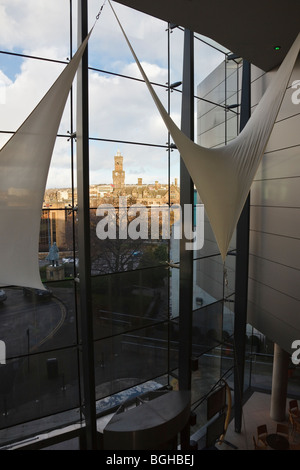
26	324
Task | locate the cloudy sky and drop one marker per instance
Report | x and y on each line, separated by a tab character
120	109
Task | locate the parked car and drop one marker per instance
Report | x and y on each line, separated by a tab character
3	295
37	293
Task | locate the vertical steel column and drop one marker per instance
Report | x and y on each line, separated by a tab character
82	134
186	256
241	269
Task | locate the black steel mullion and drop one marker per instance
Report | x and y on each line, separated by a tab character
186	256
241	269
82	134
169	201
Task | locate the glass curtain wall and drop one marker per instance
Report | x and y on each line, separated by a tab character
134	170
39	383
217	122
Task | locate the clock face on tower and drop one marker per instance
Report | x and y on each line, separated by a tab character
116	173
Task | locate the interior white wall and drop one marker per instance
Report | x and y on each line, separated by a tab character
274	261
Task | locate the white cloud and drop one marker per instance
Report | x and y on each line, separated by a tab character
123	108
26	24
146	33
120	109
24	93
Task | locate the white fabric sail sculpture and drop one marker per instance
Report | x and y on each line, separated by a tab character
24	165
223	176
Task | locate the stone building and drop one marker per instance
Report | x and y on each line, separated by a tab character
57	214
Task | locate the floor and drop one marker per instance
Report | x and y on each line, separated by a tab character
256	411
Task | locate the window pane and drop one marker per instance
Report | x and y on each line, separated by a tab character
37	385
126	360
129	300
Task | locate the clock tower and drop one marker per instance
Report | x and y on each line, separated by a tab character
118	173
